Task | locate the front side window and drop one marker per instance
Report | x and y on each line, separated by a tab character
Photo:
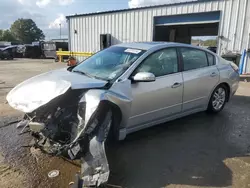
110	63
160	63
193	58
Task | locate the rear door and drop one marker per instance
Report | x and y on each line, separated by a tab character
200	76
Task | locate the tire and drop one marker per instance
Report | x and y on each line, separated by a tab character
111	138
105	127
218	99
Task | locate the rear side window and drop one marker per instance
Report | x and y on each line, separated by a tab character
193	58
210	58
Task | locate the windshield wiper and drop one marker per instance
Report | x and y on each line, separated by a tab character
99	78
91	76
83	73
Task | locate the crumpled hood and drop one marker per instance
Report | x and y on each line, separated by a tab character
39	90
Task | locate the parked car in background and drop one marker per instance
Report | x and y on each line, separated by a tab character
117	91
212	48
33	51
49	48
20	51
7	52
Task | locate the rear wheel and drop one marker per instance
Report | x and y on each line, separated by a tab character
218	99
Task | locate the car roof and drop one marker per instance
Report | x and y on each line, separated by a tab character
142	45
151	45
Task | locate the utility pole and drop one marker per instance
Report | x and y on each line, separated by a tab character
60	30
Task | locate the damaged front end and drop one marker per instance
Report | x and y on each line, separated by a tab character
70	114
74	125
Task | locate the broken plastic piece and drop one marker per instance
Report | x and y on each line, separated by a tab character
53	173
24	127
36	127
78	182
95	168
22	123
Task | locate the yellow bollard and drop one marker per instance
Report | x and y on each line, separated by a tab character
60	57
61	53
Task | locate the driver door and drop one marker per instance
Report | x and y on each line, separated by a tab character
154	101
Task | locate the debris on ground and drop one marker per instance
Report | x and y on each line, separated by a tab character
22	124
35	152
53	173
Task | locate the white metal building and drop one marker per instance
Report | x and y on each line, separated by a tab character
227	19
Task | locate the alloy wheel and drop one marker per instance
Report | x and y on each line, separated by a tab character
219	98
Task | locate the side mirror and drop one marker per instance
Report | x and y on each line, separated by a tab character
144	77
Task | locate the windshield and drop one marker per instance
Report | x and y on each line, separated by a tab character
110	63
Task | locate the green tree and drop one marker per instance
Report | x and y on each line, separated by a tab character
210	43
26	31
1	34
6	35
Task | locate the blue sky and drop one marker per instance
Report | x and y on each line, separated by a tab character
83	6
48	14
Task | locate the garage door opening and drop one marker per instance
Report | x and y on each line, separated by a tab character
181	28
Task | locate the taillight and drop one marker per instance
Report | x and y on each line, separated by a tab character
235	67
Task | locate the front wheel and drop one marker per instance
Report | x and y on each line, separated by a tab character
218	99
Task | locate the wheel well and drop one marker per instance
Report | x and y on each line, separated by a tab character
116	118
226	85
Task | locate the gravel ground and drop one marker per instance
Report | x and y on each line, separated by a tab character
197	151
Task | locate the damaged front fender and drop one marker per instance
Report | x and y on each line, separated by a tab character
98	121
95	167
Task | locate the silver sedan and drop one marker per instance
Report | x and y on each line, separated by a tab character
117	91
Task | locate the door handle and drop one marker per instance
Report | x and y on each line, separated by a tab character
213	74
176	85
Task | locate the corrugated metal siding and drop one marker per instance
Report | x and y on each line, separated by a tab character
248	64
137	25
